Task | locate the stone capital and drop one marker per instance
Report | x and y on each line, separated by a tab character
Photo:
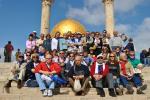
47	2
107	1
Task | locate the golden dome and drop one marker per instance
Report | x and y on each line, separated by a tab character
68	25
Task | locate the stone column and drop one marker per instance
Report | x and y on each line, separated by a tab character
109	16
45	17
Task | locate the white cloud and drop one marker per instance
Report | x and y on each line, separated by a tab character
140	33
91	13
122	6
123	28
142	40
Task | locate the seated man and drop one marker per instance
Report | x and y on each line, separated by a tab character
81	73
30	76
44	73
98	73
17	72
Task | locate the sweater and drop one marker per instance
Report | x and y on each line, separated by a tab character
43	66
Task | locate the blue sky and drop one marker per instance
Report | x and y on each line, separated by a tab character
20	17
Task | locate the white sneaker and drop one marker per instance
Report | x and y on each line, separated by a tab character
49	93
45	93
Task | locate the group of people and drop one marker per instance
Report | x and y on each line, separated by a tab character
75	60
145	57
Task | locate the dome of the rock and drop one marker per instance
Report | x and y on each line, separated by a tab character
67	25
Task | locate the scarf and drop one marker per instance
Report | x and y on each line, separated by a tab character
99	68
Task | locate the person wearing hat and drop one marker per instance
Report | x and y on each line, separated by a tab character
17	72
99	72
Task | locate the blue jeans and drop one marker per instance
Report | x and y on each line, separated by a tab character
43	84
136	80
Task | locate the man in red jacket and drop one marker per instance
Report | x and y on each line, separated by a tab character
98	71
44	72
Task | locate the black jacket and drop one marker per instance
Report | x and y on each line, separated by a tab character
79	70
47	44
29	74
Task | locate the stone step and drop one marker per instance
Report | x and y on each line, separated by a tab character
64	91
5	65
67	97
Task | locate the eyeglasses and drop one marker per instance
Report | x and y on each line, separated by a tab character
20	56
111	56
48	58
132	55
100	58
71	56
35	57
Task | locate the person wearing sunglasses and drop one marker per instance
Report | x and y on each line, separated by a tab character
44	72
17	72
29	75
99	72
113	75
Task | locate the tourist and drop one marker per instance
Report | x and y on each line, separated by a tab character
44	72
55	41
130	45
79	42
27	57
99	72
128	74
30	43
63	42
68	64
17	54
89	41
47	43
35	37
113	76
79	73
143	57
42	54
71	43
17	72
98	43
39	42
115	41
29	75
55	57
8	51
88	60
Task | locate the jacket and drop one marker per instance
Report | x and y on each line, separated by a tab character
29	74
47	44
43	66
104	73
